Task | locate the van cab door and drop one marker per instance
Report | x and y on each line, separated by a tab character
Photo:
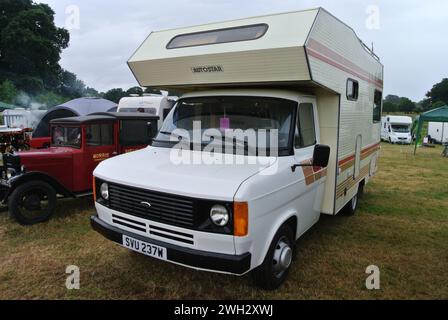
100	144
311	180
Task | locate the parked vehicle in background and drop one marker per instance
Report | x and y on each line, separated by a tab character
396	129
74	108
438	132
32	180
14	139
155	105
21	118
304	85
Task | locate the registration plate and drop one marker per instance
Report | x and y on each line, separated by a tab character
145	248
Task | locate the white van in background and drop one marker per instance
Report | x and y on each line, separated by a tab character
438	132
156	105
396	129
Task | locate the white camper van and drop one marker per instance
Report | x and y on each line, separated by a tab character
438	132
156	105
309	91
396	129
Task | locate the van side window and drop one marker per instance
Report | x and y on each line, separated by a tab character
100	135
378	101
352	90
305	133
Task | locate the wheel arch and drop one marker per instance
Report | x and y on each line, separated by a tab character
15	182
291	218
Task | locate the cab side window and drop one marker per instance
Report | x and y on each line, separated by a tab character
100	135
305	131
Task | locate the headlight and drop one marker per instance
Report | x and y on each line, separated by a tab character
10	172
104	189
220	215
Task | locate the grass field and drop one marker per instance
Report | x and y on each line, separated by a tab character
401	226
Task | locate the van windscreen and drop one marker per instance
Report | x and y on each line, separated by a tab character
251	122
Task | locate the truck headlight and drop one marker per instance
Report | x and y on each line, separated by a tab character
219	215
104	190
10	172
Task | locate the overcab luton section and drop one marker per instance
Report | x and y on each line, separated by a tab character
309	51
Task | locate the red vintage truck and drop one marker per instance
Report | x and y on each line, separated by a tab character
32	181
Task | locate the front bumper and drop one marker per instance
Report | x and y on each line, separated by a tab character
401	141
202	260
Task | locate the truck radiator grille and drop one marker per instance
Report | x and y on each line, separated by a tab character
159	207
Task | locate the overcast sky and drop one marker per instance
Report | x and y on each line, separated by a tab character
411	37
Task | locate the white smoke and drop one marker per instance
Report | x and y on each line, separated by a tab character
27	115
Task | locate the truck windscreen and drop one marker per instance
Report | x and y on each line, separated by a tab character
66	137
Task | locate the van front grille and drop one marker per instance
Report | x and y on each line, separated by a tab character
154	206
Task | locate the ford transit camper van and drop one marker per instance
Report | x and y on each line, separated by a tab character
279	122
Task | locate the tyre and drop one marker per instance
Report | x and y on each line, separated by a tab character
351	207
277	263
32	202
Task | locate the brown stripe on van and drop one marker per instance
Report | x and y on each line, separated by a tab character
350	182
308	172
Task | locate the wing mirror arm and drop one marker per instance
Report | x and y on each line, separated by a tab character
294	167
321	157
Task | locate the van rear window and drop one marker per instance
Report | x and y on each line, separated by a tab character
244	33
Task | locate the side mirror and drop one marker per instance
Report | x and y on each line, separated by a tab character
321	156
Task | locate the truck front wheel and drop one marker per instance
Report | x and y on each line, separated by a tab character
275	268
32	202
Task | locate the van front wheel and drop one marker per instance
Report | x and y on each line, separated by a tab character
275	268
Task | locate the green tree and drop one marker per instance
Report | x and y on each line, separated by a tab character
30	44
115	95
424	105
152	91
392	99
71	86
389	106
49	100
91	92
439	92
8	92
135	90
406	105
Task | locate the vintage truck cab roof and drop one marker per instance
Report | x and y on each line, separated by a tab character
104	116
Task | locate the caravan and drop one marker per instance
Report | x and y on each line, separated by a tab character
280	122
438	132
396	129
152	104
